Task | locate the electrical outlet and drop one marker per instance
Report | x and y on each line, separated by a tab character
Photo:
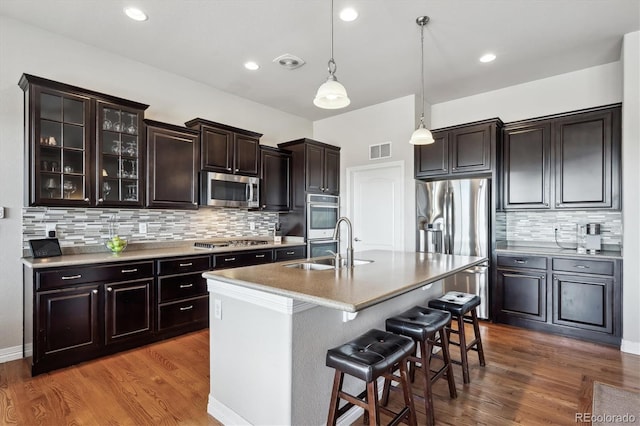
50	230
142	227
252	226
217	308
1	212
556	227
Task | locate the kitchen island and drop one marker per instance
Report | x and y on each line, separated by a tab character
271	326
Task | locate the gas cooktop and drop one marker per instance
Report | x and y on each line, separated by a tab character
228	243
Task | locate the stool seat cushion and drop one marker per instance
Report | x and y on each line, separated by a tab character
418	322
456	302
369	355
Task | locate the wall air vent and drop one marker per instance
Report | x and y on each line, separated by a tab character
289	61
379	151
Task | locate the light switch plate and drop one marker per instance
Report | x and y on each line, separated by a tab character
49	227
1	212
142	227
217	308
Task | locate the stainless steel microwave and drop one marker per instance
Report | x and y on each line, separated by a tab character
223	190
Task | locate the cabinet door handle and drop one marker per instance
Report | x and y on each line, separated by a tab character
186	285
86	200
109	289
237	170
100	200
521	262
128	271
259	256
182	265
72	277
186	308
229	168
230	259
582	266
94	291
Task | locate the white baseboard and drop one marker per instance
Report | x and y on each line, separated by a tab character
224	414
630	347
14	352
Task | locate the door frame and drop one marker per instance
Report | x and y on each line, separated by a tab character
397	165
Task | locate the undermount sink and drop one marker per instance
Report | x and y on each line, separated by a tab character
325	264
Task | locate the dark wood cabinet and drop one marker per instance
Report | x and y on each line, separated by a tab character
289	253
587	147
183	300
582	300
242	258
567	161
227	149
526	157
172	166
128	310
275	172
459	150
316	168
82	148
67	324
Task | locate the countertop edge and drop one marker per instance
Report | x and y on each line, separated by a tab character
332	303
544	251
136	255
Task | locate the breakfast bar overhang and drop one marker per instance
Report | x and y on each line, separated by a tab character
271	325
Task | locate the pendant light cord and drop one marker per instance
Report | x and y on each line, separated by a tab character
422	67
332	63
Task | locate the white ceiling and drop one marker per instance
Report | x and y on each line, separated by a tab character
378	55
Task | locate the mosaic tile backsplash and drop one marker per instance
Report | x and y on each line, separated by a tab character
82	227
536	226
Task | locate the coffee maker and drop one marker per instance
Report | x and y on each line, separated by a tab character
593	240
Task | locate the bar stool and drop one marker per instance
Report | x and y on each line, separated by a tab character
375	353
423	325
462	307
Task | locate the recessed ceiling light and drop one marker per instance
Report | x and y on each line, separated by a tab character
488	57
251	65
349	14
136	14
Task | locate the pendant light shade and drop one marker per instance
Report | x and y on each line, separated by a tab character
422	135
331	94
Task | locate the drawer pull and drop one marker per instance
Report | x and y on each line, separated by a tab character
521	262
230	259
128	271
582	266
290	253
186	285
72	277
186	308
259	256
182	265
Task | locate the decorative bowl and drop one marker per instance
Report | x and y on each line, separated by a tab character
116	244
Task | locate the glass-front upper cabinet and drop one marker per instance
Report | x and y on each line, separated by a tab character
83	148
60	129
119	155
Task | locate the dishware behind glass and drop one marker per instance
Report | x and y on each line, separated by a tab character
50	185
68	169
106	189
69	188
131	128
132	149
115	148
118	126
106	123
54	166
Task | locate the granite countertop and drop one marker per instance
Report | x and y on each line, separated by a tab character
390	274
509	247
143	252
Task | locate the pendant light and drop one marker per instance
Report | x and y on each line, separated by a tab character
331	94
422	135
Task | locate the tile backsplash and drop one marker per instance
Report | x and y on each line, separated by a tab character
536	226
82	226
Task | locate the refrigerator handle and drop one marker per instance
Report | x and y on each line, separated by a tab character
447	223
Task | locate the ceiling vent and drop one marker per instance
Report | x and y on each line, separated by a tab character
289	61
379	151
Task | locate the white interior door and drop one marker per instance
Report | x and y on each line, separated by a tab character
376	199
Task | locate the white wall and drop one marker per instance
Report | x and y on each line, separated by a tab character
586	88
630	191
173	99
589	87
354	131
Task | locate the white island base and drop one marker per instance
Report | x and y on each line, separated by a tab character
268	353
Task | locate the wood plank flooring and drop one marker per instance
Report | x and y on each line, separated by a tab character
530	378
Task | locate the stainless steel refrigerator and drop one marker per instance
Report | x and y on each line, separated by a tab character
453	218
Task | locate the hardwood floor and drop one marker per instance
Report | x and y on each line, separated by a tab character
530	378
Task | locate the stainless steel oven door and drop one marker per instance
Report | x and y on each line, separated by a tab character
317	248
323	212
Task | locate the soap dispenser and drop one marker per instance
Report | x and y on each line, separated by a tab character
277	235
